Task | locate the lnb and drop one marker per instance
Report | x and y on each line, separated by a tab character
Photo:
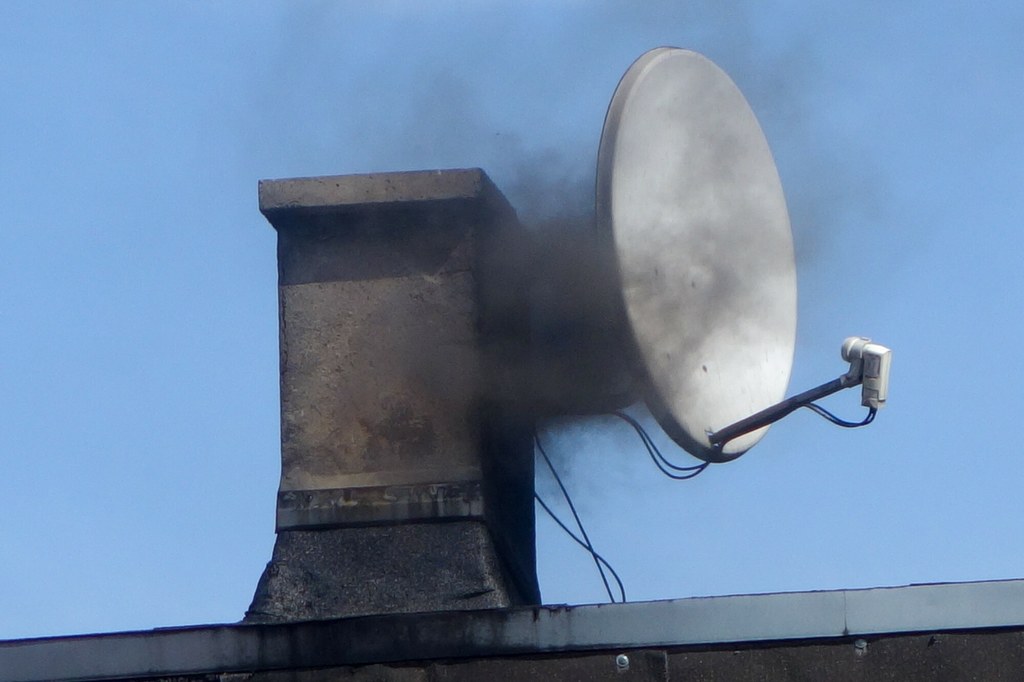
869	366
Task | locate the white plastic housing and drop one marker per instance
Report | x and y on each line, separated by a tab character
871	362
875	389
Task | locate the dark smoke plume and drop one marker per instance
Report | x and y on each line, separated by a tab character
482	86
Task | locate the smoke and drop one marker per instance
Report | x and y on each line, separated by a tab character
520	89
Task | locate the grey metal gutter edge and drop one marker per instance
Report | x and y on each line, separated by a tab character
545	629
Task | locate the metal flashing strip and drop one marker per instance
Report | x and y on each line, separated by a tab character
547	629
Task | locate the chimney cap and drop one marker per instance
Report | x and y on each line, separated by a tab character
345	193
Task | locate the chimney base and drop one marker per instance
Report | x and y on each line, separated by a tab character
408	568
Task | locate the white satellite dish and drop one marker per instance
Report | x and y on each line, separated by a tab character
691	202
684	293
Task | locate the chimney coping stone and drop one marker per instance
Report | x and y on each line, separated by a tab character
346	193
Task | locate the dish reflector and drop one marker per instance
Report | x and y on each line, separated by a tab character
690	200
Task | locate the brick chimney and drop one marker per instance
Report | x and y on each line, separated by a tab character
406	477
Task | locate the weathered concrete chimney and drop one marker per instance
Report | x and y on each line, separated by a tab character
405	485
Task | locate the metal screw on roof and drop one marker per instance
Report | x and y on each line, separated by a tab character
622	662
860	646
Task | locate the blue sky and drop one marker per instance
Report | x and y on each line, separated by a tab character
139	408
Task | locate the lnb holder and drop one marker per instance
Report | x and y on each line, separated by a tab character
869	367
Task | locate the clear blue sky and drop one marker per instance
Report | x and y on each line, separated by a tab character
139	403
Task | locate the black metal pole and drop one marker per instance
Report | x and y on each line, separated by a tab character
772	414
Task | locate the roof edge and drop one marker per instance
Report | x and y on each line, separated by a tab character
696	621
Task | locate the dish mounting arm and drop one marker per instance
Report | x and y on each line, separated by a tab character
869	365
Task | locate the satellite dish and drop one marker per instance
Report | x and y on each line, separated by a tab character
683	289
690	205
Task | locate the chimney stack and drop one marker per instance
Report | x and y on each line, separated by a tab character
406	484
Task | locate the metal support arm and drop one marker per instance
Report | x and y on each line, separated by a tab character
772	414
